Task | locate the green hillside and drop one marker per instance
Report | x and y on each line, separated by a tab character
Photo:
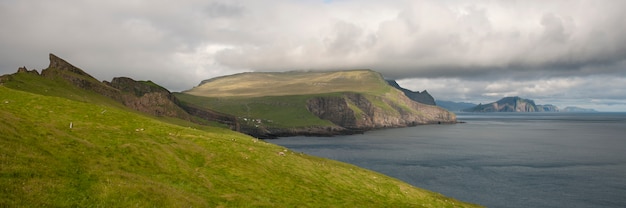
56	86
56	152
287	111
261	84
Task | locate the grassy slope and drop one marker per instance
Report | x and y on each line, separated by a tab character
113	157
275	111
59	87
284	100
56	87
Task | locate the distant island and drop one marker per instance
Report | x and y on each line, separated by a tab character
578	109
518	104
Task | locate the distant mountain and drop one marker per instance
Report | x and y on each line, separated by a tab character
421	97
454	106
513	104
578	109
547	108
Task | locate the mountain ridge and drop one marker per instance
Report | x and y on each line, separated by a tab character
421	97
142	96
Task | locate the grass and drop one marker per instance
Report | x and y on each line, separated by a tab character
261	84
112	157
58	87
273	111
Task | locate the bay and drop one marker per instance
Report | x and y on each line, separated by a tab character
496	159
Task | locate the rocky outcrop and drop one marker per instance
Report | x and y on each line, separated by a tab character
24	70
507	104
148	97
420	97
60	68
7	77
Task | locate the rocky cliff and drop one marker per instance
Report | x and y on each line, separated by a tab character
147	97
354	111
420	97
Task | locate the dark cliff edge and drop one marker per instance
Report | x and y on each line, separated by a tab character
420	97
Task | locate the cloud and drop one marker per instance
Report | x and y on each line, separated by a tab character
463	43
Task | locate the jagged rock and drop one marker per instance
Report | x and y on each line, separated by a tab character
77	77
24	70
421	97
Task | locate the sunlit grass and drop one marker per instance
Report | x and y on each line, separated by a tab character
111	157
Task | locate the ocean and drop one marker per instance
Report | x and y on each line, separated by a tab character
496	159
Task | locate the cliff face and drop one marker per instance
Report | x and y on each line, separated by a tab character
356	112
420	97
148	97
507	104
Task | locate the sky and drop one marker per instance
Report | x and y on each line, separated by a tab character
561	52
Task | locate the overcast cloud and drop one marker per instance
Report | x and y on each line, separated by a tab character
567	52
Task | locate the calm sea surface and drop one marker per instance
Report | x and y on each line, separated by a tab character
497	159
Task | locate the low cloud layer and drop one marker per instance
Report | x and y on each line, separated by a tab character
571	52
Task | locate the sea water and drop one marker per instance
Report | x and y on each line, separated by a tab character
497	159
